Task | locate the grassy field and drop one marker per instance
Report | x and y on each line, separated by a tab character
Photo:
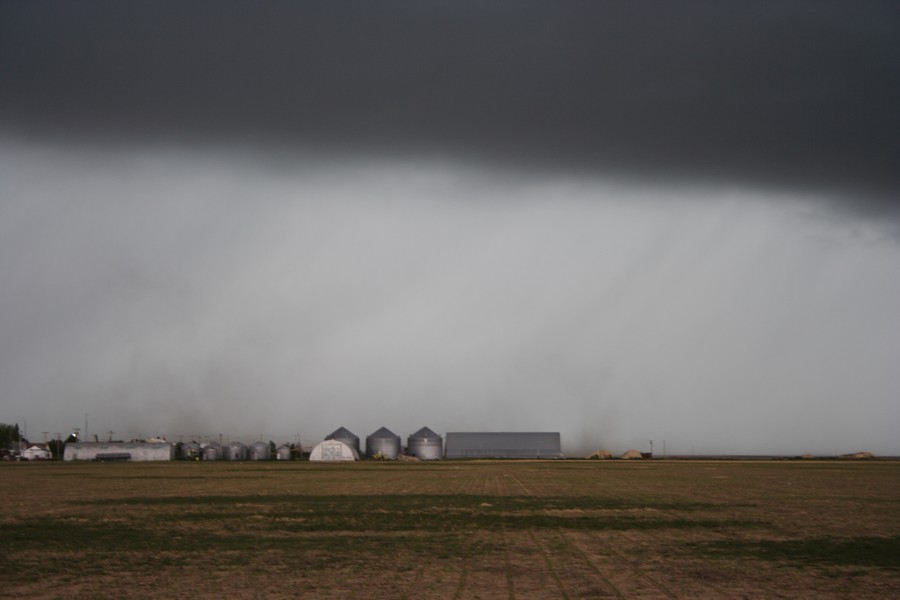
543	529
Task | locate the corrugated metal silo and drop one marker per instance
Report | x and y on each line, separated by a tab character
190	450
425	445
235	451
258	451
283	452
212	451
384	442
342	434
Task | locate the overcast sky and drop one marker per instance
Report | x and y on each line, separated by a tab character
622	221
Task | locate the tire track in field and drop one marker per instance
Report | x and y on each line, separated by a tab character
662	541
510	587
568	539
607	583
463	574
549	564
621	559
414	586
580	551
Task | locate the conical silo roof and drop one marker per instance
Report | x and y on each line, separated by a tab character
424	434
384	433
341	433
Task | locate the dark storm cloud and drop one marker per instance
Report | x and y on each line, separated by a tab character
771	94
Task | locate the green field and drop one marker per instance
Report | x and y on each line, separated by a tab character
498	529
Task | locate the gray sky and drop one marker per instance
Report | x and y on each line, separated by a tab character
620	221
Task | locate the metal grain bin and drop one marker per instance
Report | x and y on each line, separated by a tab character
283	452
190	450
258	451
212	451
425	445
342	434
384	442
235	451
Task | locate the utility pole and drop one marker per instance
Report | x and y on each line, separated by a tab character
85	426
110	434
45	435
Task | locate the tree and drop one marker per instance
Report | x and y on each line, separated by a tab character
9	434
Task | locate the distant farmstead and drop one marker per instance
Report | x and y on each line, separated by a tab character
503	444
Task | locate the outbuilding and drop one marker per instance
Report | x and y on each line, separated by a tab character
36	452
333	451
119	451
504	444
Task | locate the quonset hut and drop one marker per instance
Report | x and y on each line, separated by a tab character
384	442
503	444
333	451
342	434
425	445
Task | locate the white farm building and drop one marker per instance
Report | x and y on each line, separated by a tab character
119	451
333	451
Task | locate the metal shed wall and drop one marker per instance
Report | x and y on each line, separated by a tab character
135	450
503	444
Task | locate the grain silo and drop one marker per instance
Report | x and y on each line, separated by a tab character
190	451
283	452
213	451
425	445
384	443
342	434
259	451
235	451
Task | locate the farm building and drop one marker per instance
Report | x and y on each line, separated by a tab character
384	443
333	451
342	434
119	451
503	444
425	445
37	452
